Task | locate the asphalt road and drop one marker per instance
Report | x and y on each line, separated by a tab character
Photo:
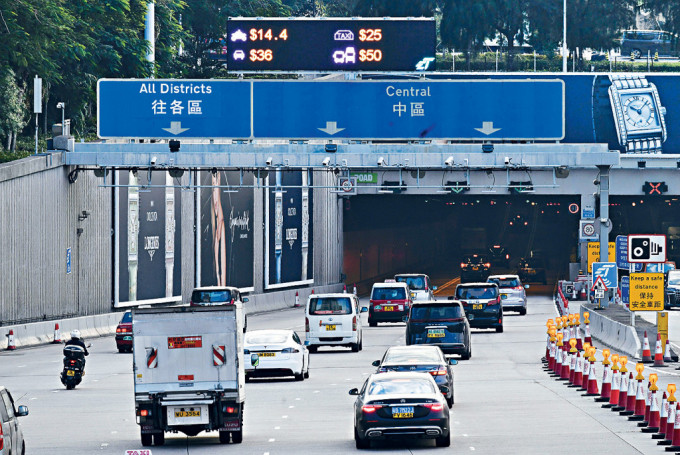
505	402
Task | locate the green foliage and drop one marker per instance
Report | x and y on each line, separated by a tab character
12	112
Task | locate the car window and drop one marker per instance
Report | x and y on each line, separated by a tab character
330	305
505	282
127	317
266	338
674	282
412	356
222	296
436	312
388	293
296	338
416	283
477	292
405	386
9	406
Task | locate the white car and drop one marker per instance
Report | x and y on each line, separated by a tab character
419	284
513	295
333	320
11	437
270	353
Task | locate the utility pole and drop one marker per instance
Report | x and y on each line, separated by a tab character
564	39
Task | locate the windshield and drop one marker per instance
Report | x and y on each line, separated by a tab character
674	282
412	356
505	282
330	305
221	296
416	283
388	294
127	317
405	386
266	338
436	312
476	292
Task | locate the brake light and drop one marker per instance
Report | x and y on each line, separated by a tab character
507	256
118	330
354	324
306	324
434	407
518	288
73	362
2	439
463	265
487	265
441	371
231	410
368	409
144	412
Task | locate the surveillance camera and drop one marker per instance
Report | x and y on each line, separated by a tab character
507	160
326	161
449	161
381	161
153	160
269	161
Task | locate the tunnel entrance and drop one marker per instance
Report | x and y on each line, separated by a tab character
388	234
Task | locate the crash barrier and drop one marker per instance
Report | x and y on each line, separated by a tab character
561	301
612	333
37	333
611	383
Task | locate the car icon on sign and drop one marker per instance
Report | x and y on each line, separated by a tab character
239	55
239	35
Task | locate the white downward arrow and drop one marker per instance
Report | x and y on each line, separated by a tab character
487	128
175	128
331	128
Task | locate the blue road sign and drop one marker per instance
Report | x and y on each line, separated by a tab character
457	110
163	108
608	272
469	110
622	254
68	260
625	289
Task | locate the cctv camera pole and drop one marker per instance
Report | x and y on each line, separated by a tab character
604	219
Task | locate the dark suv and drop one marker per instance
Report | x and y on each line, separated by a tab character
474	267
482	303
440	323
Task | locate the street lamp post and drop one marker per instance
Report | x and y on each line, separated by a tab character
564	38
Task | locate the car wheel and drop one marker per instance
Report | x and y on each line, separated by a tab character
237	437
465	355
224	437
146	440
159	439
306	375
449	401
523	311
361	343
499	329
636	53
444	441
312	349
121	350
355	347
361	443
299	377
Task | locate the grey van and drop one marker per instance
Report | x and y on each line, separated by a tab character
637	43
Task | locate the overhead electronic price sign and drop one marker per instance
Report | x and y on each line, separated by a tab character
330	44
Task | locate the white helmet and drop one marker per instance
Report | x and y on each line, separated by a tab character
75	333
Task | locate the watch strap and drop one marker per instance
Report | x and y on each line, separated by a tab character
626	81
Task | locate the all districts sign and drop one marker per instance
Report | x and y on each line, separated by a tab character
646	292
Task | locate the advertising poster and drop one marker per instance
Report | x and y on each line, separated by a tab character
149	237
289	229
226	229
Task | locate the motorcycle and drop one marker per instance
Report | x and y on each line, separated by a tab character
74	366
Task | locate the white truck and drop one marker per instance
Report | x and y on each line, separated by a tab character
188	371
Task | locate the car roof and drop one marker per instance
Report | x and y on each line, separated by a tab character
216	288
414	347
334	294
270	332
503	277
390	285
435	302
400	375
409	274
485	284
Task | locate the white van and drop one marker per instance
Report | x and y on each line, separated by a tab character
333	320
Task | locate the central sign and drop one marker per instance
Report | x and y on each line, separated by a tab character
455	110
646	292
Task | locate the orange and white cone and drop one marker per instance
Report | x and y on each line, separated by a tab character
667	352
623	391
11	345
588	338
586	372
354	289
639	413
578	372
630	400
648	401
344	289
605	394
658	352
592	381
670	423
297	299
646	350
663	418
577	327
57	334
675	439
616	388
654	419
551	356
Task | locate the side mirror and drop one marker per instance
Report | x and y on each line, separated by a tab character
354	391
376	363
22	411
453	362
443	389
245	299
254	360
404	319
364	309
434	288
306	343
526	286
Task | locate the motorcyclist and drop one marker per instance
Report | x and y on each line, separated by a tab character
76	340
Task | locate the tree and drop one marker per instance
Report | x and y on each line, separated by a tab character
12	109
463	25
669	10
395	8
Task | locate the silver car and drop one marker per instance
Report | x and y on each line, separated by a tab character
11	437
513	294
419	284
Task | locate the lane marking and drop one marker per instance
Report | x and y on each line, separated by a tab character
284	417
104	444
447	285
316	391
21	366
465	435
291	407
297	399
277	428
34	398
472	448
272	439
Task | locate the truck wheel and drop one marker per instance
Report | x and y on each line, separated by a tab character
355	347
146	440
372	324
224	437
159	439
237	437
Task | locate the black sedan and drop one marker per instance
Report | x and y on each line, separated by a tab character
425	359
400	405
440	323
474	267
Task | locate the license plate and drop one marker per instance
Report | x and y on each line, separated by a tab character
388	308
127	338
402	412
477	306
435	333
330	328
475	268
70	373
182	414
504	296
267	354
531	272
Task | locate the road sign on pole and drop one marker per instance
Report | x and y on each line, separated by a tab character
646	248
622	254
646	292
606	271
599	285
625	290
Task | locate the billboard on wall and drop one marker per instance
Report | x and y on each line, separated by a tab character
226	245
288	259
149	237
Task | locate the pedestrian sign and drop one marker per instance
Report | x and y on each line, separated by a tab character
599	285
646	292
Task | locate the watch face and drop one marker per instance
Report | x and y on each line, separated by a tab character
639	111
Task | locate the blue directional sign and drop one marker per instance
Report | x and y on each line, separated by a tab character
456	110
68	260
608	272
465	110
622	254
163	108
625	289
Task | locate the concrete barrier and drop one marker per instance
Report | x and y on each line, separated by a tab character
278	300
620	337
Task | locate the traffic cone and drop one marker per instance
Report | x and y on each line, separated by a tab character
57	334
675	439
623	387
653	417
605	394
658	352
577	326
552	353
592	377
670	424
312	290
639	407
572	361
670	416
587	339
616	384
354	289
344	289
646	351
10	341
586	367
648	396
548	325
667	352
578	372
297	299
630	397
566	360
558	357
662	419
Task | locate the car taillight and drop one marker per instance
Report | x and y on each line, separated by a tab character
289	350
435	407
2	439
487	265
463	265
144	412
306	324
441	371
368	409
354	324
464	303
507	256
230	410
73	362
518	288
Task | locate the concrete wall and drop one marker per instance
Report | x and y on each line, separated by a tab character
614	334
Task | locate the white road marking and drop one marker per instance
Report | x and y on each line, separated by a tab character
56	391
316	391
272	439
114	432
333	384
297	399
284	417
33	398
472	448
21	366
465	435
291	407
104	444
277	428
